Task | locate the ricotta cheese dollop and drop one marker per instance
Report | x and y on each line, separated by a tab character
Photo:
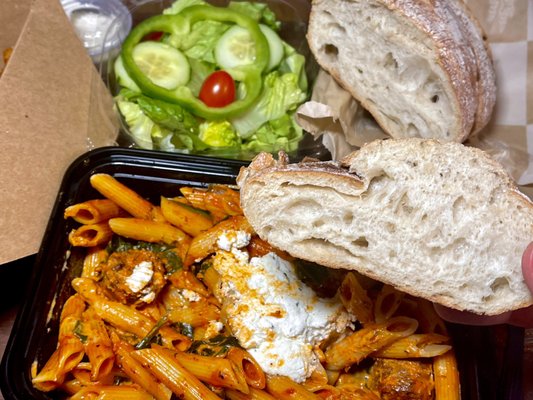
140	277
271	312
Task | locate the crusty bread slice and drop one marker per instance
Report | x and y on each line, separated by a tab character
437	220
421	68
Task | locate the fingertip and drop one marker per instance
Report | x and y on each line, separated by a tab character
527	266
468	318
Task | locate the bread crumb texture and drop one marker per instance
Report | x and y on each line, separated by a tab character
437	220
422	69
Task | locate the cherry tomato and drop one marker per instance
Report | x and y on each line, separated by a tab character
155	36
218	90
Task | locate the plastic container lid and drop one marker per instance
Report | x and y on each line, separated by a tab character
101	25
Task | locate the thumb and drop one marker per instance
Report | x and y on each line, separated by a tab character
527	266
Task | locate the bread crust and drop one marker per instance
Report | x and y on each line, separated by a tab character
349	180
459	49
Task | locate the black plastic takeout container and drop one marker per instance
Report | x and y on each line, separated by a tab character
151	174
489	357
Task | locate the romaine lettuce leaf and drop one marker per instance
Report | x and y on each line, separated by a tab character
284	89
260	12
140	126
200	41
281	94
179	5
158	124
279	134
218	134
294	62
167	115
200	70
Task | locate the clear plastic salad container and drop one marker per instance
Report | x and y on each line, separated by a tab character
265	125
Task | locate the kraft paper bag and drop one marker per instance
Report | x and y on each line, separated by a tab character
46	117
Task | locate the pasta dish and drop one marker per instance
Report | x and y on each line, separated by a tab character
181	299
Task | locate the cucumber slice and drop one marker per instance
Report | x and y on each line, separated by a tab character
123	77
163	64
275	46
236	48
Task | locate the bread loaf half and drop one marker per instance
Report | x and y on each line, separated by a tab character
421	68
434	219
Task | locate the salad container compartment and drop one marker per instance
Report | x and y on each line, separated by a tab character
489	358
267	125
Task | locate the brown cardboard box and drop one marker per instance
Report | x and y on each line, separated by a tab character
46	117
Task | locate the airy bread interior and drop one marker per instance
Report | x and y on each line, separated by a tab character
413	66
440	221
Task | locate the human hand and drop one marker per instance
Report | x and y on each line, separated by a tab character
522	317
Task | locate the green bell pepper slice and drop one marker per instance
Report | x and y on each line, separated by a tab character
249	75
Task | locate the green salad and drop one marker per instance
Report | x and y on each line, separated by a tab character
211	80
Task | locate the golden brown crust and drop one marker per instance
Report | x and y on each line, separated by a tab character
264	166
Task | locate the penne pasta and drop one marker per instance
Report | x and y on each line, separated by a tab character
356	393
219	200
126	198
72	386
254	394
247	367
430	321
197	313
205	243
357	346
98	345
70	349
49	377
333	376
189	219
94	211
318	379
149	231
70	346
354	379
90	235
215	371
112	392
211	278
355	299
126	318
163	364
387	302
92	262
446	375
415	346
283	388
137	372
82	374
184	279
328	392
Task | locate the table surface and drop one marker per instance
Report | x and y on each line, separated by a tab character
7	316
13	280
